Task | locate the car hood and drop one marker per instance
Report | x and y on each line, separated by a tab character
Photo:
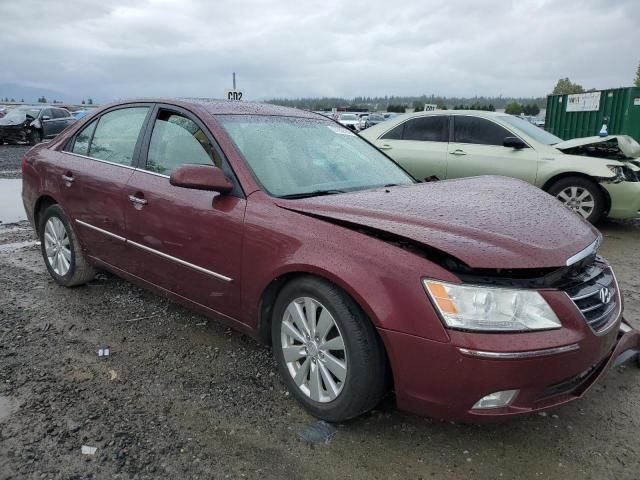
4	121
485	222
621	147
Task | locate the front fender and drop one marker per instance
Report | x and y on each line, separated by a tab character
382	278
552	165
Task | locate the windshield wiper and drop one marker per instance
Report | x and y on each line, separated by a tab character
315	193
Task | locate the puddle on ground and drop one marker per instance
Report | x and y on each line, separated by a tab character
11	209
7	407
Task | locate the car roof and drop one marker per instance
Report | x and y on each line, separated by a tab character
227	107
477	113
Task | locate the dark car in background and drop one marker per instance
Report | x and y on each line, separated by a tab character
295	230
33	124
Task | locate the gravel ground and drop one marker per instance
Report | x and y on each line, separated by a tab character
183	397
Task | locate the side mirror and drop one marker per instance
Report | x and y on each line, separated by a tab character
46	117
201	177
513	142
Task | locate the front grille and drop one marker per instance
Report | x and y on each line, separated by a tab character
596	296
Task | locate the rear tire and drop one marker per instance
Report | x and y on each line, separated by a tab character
580	195
61	250
346	358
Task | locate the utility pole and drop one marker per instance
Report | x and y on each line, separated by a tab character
234	80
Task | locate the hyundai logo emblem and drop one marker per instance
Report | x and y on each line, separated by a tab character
605	295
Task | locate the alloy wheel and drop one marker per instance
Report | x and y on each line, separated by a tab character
56	244
577	199
313	349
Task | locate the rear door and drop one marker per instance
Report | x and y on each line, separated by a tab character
419	145
186	241
477	149
62	119
93	171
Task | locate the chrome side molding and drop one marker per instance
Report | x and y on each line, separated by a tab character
104	232
177	260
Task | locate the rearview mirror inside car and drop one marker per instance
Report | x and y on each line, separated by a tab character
201	177
513	142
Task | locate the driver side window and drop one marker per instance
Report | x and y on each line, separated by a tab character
478	131
177	140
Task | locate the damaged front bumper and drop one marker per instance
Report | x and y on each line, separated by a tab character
17	133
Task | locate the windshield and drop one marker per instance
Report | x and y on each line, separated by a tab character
348	116
292	156
19	114
538	134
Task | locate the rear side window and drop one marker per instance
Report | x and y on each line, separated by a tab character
427	129
59	113
478	130
394	134
177	140
116	135
81	145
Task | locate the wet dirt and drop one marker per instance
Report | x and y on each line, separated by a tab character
181	396
10	157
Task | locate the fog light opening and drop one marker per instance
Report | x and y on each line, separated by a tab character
496	399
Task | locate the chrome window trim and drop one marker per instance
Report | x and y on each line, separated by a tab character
97	229
584	253
157	252
517	355
180	261
142	170
100	160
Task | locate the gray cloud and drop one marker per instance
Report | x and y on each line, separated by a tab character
296	48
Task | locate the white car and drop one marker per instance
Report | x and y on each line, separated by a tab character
349	120
595	176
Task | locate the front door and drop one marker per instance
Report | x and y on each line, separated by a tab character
477	149
186	241
93	171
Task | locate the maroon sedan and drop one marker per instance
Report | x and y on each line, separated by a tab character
473	298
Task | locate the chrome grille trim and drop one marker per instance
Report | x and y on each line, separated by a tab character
601	305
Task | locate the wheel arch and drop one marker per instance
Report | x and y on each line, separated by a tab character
43	202
607	198
271	291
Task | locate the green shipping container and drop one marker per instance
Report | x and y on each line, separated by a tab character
582	115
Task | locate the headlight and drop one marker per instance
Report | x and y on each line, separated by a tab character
619	172
467	307
624	174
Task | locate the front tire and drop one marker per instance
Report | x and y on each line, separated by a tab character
34	137
61	250
580	195
328	353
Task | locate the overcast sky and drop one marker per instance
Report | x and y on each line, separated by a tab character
124	48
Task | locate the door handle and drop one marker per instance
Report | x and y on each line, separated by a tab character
137	200
458	151
385	147
67	178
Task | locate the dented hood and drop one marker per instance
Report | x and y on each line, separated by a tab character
485	222
622	146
